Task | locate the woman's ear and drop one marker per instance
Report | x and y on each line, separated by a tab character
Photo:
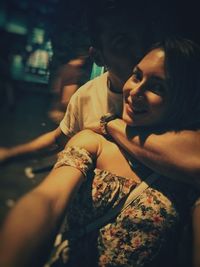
96	56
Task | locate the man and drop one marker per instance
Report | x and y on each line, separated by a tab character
119	38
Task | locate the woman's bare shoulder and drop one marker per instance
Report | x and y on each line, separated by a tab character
89	140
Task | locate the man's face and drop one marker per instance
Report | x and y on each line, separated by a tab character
120	49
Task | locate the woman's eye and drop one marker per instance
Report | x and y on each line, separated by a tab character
136	76
157	89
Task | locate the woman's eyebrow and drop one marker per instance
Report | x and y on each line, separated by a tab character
153	77
157	78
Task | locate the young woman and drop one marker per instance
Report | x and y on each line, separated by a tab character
162	93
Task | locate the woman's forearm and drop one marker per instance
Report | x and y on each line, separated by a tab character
30	227
27	232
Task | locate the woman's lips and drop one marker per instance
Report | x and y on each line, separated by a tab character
131	110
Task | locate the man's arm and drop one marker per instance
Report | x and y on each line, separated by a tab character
46	143
173	154
50	142
32	223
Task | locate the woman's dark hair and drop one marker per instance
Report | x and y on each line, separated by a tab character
182	67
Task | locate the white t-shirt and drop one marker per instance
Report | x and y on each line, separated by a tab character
88	104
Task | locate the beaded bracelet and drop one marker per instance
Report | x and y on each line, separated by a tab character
104	121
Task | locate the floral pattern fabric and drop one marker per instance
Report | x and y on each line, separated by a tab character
71	157
135	238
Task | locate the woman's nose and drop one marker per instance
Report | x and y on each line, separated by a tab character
136	90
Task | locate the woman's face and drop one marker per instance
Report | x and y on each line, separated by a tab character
145	93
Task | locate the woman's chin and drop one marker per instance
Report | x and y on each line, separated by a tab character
129	121
137	121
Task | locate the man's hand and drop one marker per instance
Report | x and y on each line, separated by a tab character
96	128
100	127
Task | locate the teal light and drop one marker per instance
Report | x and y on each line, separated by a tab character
15	27
96	71
38	36
2	18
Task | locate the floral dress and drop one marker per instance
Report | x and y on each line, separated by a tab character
136	237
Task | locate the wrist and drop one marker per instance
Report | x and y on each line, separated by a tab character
116	126
104	120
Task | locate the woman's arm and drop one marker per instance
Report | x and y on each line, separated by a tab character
32	223
176	155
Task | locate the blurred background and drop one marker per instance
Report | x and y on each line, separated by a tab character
37	37
37	41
